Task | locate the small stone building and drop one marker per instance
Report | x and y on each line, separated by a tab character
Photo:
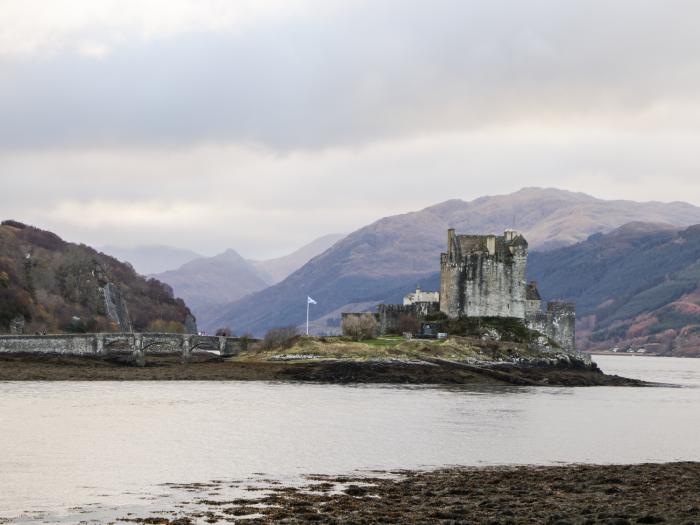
419	296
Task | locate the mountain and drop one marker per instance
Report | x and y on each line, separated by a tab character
637	286
383	261
275	270
208	282
151	259
50	285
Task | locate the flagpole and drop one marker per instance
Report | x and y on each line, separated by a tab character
307	316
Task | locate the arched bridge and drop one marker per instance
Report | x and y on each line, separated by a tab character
101	344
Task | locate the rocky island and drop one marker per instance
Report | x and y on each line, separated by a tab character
454	360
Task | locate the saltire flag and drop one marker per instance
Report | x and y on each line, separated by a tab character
309	300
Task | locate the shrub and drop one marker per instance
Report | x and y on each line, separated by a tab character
78	325
280	338
436	316
225	332
245	340
163	326
508	329
13	303
360	327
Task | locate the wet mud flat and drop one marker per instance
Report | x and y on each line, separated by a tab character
203	367
573	494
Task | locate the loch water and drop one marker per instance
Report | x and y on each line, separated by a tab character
72	451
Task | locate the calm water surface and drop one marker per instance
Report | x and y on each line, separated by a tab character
107	447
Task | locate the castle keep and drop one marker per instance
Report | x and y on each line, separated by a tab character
486	276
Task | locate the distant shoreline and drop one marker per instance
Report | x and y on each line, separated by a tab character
167	367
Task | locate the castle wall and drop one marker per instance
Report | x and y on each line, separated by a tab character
390	314
451	289
494	288
558	323
532	307
563	323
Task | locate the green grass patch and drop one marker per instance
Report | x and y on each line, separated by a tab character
387	341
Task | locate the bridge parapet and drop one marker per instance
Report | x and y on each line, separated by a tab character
100	344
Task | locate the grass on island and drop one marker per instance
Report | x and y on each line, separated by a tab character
387	348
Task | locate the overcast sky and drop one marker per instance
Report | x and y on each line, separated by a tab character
261	125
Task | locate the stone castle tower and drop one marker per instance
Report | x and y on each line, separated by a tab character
484	275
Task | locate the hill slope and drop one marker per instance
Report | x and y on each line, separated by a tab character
383	261
57	286
638	286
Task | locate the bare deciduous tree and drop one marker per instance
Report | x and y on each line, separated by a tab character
360	327
280	338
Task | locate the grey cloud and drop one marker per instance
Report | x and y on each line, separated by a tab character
213	197
372	71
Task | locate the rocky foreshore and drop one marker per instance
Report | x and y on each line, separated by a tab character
562	495
48	367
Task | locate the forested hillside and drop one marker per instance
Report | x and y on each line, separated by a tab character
638	287
50	285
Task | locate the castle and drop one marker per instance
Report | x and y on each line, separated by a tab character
485	276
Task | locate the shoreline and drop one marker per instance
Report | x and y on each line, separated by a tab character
570	494
208	367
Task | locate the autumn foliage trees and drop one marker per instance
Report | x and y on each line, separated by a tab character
56	286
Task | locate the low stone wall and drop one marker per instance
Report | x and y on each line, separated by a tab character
78	344
137	343
390	314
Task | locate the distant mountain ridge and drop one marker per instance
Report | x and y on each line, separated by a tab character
210	281
206	283
386	259
151	259
635	287
276	270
